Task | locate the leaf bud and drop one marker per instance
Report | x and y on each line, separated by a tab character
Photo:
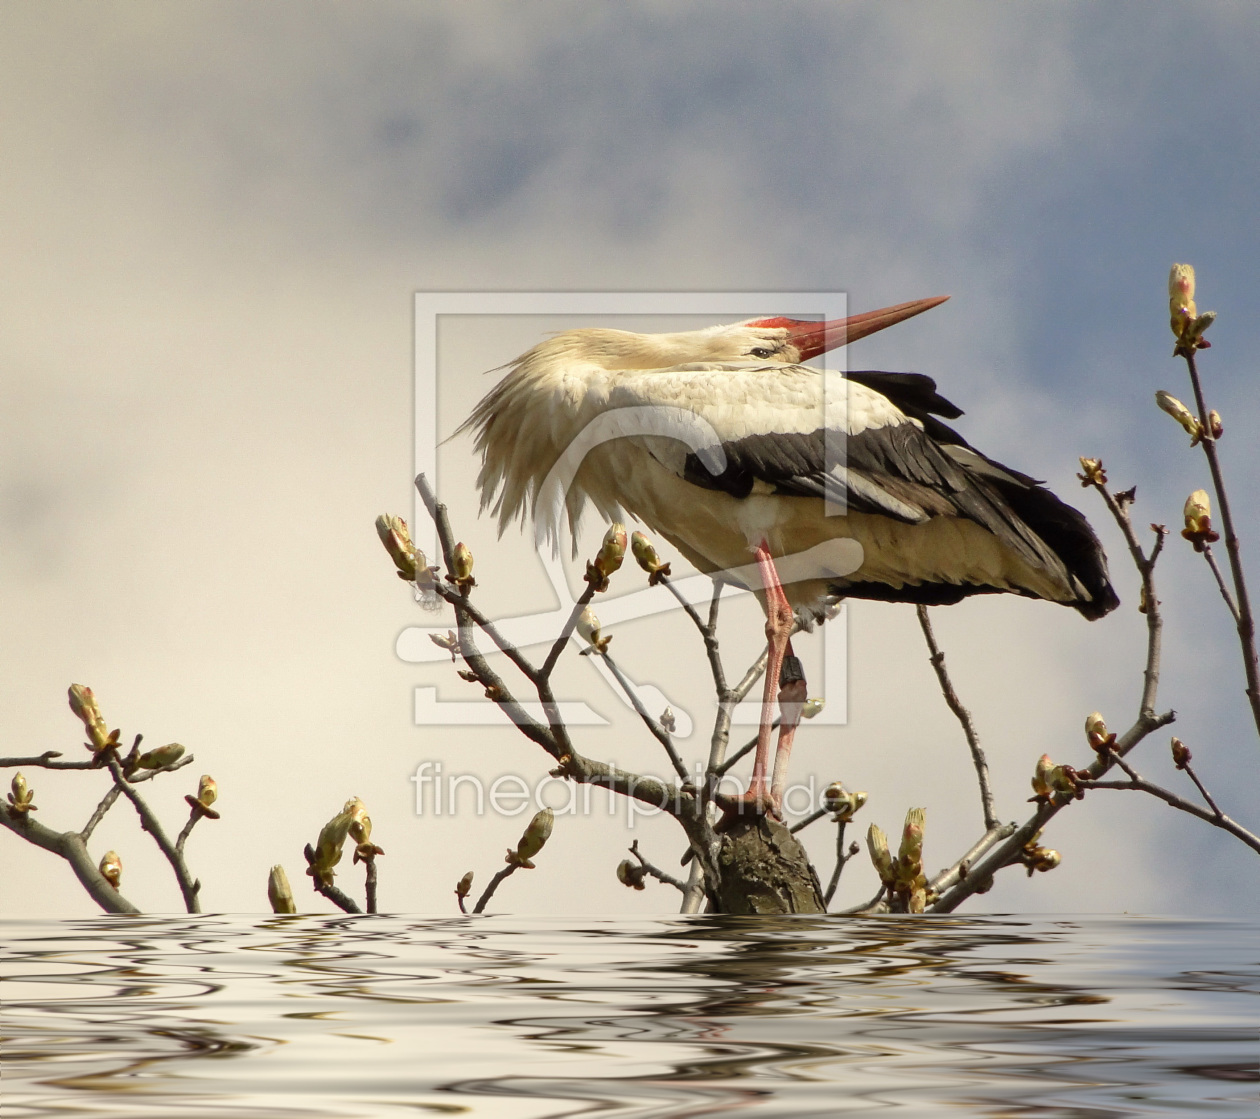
464	886
877	845
161	757
1181	306
1042	788
83	704
207	790
608	559
812	707
532	841
911	851
111	868
328	848
450	642
1179	412
844	804
646	557
1215	428
396	537
461	567
631	874
1180	753
668	721
1198	516
21	796
1096	732
588	628
279	892
1093	473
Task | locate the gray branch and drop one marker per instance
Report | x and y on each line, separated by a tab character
1245	619
188	886
937	660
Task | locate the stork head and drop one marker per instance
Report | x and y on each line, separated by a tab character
795	340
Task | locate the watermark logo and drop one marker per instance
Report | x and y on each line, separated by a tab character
442	793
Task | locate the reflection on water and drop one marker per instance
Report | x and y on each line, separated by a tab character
365	1016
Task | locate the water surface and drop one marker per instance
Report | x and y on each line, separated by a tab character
689	1016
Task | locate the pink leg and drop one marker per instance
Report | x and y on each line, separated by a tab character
779	620
791	700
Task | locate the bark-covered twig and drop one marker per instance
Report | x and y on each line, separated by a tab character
107	802
46	760
1137	783
812	818
493	885
338	897
708	630
193	816
653	725
875	905
842	857
584	600
369	883
937	659
656	872
188	886
1245	619
70	846
1220	583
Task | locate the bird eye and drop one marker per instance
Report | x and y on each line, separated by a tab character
761	351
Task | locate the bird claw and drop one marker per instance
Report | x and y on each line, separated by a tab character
754	803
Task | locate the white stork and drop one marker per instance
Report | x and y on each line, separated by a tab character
754	477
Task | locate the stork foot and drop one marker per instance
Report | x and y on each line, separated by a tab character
755	802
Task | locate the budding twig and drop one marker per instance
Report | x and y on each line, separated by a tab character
338	897
493	885
937	660
656	872
188	886
842	857
1220	583
658	732
1244	619
1137	783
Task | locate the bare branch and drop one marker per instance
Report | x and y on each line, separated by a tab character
188	886
193	816
584	600
1216	819
842	857
937	659
493	885
1220	583
656	872
45	761
812	818
1233	549
658	732
107	802
872	906
369	883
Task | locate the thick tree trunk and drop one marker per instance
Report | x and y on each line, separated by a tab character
763	869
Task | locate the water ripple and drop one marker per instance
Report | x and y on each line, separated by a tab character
362	1016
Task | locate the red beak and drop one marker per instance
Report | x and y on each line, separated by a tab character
814	338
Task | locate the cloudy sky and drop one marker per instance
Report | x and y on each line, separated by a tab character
214	219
